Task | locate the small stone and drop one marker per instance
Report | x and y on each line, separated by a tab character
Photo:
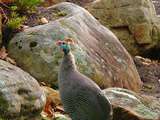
61	117
159	81
25	26
106	44
44	20
102	60
103	66
148	86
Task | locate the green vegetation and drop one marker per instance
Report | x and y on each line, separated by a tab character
16	13
61	13
15	21
16	18
23	5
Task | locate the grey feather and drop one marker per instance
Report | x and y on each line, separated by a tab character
81	97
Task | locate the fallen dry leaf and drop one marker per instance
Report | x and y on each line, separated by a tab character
3	53
4	56
10	60
53	94
49	108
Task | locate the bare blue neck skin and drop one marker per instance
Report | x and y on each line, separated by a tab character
66	48
68	65
67	68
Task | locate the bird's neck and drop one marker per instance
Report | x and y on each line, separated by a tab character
68	63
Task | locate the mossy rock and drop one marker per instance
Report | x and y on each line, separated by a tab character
20	94
98	52
128	105
134	18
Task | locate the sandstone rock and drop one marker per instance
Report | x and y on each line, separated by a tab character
149	72
98	52
128	105
133	21
20	94
43	20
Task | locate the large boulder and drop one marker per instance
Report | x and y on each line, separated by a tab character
133	21
128	105
97	51
20	94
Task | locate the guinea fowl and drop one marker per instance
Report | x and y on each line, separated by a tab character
81	97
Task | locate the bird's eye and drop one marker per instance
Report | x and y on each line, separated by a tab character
63	43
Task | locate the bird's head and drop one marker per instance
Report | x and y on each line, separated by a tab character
65	45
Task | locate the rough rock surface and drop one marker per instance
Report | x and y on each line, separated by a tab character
133	21
20	94
128	105
98	52
149	72
80	2
157	6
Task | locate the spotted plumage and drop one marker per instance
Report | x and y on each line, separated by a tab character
81	97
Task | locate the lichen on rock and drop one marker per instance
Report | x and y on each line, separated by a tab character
98	52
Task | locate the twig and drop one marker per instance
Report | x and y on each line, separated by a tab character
4	15
4	5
